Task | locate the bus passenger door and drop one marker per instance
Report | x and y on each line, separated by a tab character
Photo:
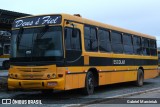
73	50
73	54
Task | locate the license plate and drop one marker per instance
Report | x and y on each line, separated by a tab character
52	83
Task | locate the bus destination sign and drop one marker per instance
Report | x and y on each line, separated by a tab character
37	21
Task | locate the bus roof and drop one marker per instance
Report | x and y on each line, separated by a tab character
99	24
95	23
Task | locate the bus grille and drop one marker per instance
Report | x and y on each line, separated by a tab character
32	76
32	69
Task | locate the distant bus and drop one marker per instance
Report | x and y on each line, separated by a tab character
64	52
4	48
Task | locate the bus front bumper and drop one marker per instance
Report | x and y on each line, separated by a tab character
57	84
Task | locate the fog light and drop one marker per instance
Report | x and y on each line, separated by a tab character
16	75
54	75
48	76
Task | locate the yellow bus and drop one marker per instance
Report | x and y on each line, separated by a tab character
64	52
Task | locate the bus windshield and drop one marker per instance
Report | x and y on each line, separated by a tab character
37	43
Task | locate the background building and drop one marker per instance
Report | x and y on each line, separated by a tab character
6	20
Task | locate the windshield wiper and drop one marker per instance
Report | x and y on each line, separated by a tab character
19	36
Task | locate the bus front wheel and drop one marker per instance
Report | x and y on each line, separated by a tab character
140	78
89	84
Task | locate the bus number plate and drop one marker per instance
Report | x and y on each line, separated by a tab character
52	83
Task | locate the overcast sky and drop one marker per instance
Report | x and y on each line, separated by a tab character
138	15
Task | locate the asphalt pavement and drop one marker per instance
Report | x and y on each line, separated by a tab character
66	98
149	99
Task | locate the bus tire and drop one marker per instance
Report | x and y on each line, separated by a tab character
6	64
140	78
89	84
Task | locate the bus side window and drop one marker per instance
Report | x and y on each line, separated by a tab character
116	40
104	41
90	37
153	47
145	46
137	45
68	33
127	44
73	44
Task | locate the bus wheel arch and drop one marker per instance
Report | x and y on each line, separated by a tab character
141	69
96	75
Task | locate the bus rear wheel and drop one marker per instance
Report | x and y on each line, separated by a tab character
89	84
140	78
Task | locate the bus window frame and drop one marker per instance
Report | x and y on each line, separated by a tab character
91	27
107	30
80	43
120	33
132	45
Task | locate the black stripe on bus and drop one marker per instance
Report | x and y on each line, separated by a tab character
93	61
103	61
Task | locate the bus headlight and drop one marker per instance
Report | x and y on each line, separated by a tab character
48	76
53	75
10	75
